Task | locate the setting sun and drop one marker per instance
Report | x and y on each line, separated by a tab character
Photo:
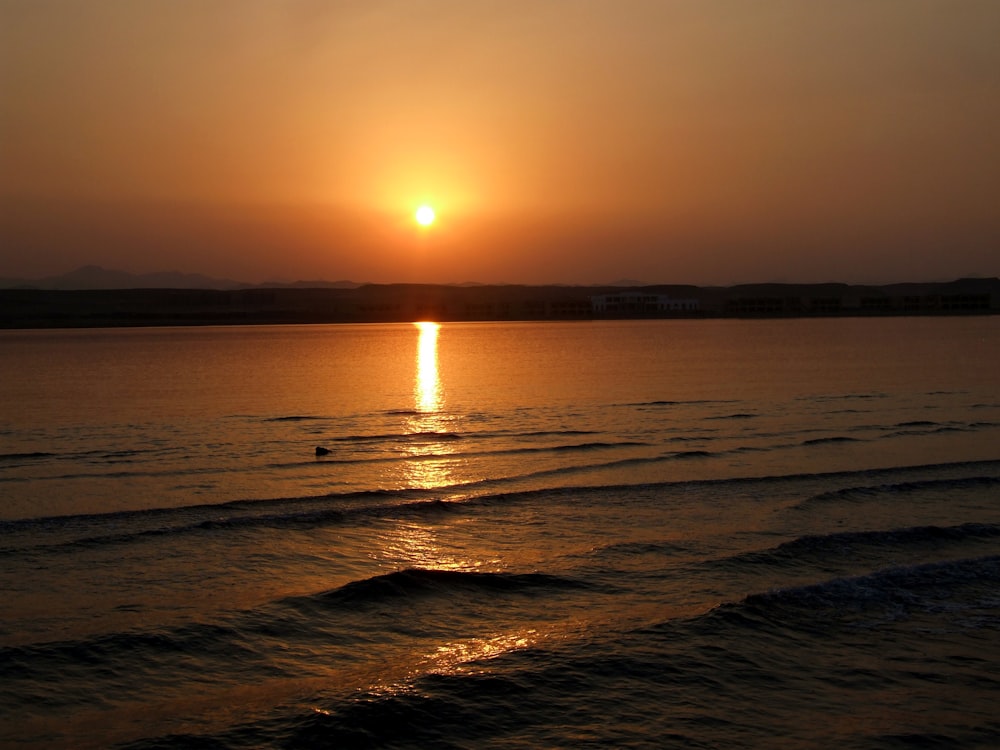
425	216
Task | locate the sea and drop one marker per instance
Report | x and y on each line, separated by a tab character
615	534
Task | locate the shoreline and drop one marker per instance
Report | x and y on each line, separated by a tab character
390	303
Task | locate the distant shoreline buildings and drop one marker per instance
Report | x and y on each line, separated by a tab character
640	303
37	308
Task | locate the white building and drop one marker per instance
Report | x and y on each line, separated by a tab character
631	303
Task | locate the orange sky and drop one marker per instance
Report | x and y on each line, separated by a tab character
574	141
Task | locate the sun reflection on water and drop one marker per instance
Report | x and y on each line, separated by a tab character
427	389
462	654
432	456
430	442
414	545
466	656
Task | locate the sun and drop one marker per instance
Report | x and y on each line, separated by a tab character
425	216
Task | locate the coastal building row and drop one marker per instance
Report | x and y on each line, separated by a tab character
798	306
641	303
24	308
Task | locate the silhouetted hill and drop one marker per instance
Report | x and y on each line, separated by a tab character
343	284
95	277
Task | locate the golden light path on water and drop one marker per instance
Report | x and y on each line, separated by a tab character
416	545
430	441
427	388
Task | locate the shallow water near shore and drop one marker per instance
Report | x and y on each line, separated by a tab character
617	534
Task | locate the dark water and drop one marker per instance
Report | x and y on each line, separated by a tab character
678	534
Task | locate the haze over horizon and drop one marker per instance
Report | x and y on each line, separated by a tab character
709	142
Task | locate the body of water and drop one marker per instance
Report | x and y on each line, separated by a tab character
654	534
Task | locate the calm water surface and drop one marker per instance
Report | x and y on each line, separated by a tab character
616	534
127	419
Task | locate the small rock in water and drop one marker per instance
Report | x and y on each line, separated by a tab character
321	451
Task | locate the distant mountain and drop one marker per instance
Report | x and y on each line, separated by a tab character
95	277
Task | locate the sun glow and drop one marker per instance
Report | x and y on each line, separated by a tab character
425	216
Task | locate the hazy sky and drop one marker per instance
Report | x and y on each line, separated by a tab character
577	141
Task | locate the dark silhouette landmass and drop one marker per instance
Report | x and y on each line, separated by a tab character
40	308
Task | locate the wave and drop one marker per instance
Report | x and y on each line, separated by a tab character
298	512
76	455
422	582
535	433
434	435
959	593
306	520
843	397
802	653
14	660
593	446
22	456
914	427
396	437
334	508
120	474
850	544
457	456
275	639
683	403
830	440
640	548
928	431
120	667
865	493
585	468
954	585
294	519
297	418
